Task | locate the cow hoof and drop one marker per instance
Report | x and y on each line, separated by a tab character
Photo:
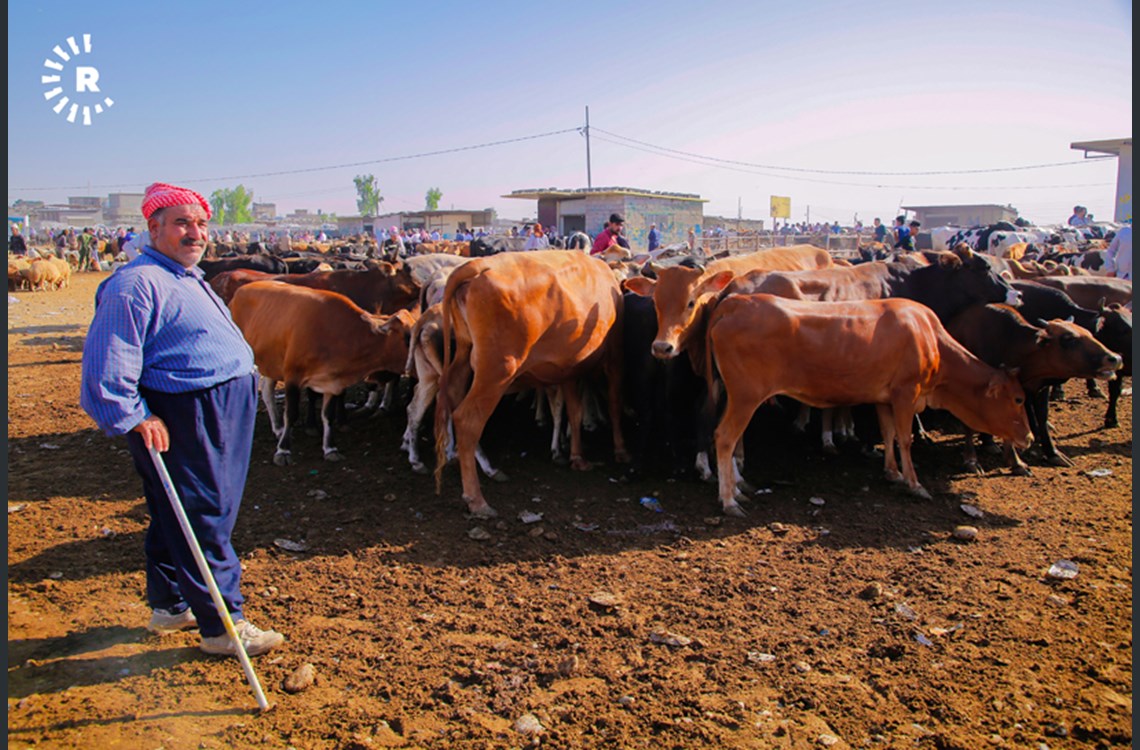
745	488
282	458
920	492
559	459
1110	423
481	509
1021	470
1096	392
622	457
732	508
830	449
577	463
333	456
973	467
894	477
500	476
1059	459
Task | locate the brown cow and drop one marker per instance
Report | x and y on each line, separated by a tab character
226	283
382	290
893	353
1042	356
311	338
529	319
1091	291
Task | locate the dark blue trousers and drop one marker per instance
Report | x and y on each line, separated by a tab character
211	437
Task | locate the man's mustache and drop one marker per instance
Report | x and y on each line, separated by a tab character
192	243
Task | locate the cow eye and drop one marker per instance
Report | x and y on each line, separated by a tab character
692	304
1019	401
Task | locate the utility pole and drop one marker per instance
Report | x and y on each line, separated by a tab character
589	177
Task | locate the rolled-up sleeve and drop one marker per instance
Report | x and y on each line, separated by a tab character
113	362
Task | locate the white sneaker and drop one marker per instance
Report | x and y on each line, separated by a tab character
255	641
165	621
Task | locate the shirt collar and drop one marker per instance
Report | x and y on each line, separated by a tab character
175	268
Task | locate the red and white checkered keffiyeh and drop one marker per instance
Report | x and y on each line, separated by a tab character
160	195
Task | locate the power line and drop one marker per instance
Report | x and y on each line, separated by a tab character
847	172
728	164
308	170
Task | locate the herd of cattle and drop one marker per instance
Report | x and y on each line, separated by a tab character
681	351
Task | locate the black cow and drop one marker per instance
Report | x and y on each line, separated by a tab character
1115	331
266	263
1057	350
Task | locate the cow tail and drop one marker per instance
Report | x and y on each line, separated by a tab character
442	404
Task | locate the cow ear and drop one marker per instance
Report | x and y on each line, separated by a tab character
715	283
1101	305
1070	319
639	285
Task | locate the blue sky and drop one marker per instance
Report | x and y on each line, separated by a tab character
215	94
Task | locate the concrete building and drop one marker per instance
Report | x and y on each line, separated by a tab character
978	215
446	222
124	210
588	210
264	211
1121	148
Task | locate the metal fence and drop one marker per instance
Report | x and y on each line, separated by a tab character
839	245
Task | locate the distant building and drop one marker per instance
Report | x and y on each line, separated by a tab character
588	210
1122	149
732	224
124	210
446	222
264	211
959	216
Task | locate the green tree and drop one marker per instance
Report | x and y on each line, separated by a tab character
218	205
239	202
368	198
432	198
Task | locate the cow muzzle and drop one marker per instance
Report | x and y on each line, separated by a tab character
664	350
1112	363
1013	298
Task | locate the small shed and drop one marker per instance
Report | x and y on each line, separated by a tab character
978	215
1121	148
588	210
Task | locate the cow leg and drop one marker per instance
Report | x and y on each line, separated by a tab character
268	390
802	417
422	397
887	427
328	408
284	454
470	418
573	399
827	417
541	410
706	424
1093	388
373	400
728	434
969	453
1039	422
1115	388
592	417
555	397
846	423
312	413
1016	465
612	367
389	396
904	420
742	484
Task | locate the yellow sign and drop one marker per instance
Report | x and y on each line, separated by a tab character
781	207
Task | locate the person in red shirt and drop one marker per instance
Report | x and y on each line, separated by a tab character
609	235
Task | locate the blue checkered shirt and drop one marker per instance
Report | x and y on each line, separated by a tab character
157	326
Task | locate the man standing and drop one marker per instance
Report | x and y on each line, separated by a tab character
1118	257
880	231
653	241
903	239
165	365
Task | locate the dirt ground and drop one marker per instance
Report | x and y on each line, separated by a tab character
841	612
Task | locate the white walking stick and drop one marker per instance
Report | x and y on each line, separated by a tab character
204	568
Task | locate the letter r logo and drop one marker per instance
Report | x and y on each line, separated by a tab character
86	79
